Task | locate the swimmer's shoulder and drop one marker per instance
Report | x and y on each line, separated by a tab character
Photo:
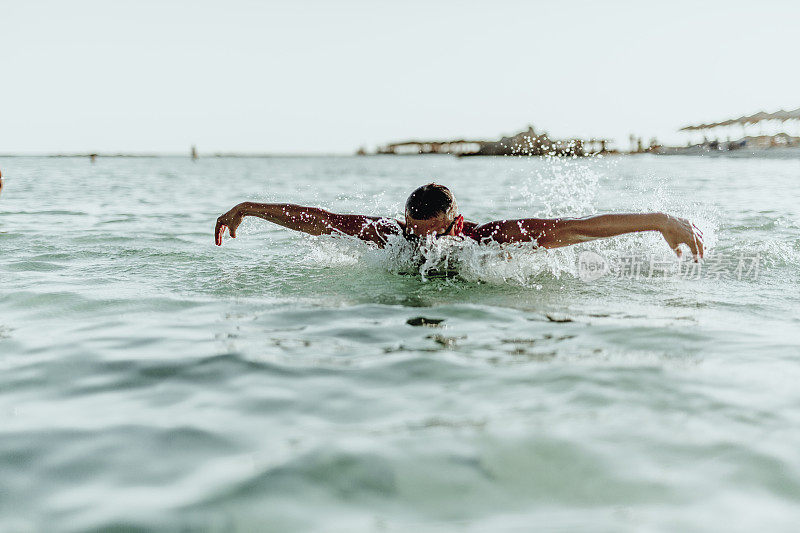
469	230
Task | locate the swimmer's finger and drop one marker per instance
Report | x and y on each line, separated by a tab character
695	244
692	244
218	232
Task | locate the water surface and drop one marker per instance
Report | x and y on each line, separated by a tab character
153	381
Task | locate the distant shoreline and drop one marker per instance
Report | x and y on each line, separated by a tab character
178	156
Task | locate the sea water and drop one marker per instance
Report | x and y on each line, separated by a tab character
153	381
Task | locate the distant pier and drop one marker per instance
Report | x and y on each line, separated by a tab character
454	147
525	143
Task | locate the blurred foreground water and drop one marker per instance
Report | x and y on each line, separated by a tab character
152	381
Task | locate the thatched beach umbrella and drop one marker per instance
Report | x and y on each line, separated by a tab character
758	117
781	115
746	120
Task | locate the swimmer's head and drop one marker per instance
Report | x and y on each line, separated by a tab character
432	210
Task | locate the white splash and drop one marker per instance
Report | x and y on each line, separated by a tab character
561	187
446	257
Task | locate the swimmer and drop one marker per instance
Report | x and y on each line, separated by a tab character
431	210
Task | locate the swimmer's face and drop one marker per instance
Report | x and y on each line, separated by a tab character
438	226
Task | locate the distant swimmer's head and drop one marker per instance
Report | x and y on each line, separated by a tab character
432	210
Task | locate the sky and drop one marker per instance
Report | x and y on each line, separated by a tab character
327	77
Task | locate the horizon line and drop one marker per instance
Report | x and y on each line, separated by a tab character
175	154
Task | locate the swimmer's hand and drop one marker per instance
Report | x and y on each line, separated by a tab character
229	220
677	231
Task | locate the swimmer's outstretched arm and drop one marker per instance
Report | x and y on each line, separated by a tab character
557	232
312	220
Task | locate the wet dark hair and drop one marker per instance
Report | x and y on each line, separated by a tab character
431	201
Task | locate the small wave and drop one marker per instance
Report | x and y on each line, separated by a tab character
46	212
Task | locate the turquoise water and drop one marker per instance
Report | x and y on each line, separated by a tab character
152	381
